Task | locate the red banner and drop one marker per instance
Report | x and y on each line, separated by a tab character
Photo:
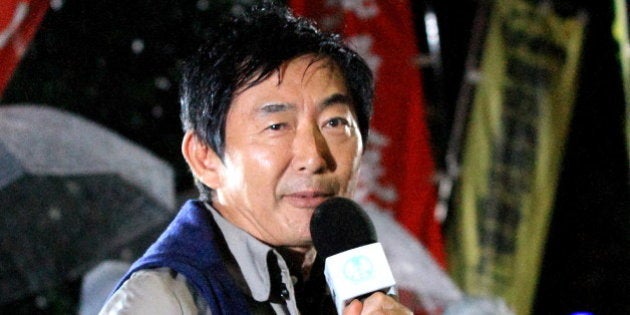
398	169
19	20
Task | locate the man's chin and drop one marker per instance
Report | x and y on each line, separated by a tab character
302	247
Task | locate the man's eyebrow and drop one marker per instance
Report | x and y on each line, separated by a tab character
275	108
337	98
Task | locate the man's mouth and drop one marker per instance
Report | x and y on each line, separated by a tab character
307	199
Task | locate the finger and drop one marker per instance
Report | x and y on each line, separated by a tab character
354	308
380	303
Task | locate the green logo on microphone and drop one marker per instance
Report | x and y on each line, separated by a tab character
358	269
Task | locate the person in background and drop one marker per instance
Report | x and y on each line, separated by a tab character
276	115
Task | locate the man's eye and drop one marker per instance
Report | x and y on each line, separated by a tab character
278	126
337	122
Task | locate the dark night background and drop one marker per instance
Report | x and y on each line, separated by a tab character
116	63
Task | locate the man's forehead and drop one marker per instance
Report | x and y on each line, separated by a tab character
311	63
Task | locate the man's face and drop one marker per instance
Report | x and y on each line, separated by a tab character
292	141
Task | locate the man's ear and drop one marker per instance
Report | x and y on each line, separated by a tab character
202	160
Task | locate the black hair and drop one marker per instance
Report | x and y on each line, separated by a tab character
245	50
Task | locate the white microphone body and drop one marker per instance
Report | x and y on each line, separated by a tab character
358	272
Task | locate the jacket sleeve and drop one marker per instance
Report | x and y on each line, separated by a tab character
153	292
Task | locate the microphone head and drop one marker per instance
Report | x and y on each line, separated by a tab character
339	224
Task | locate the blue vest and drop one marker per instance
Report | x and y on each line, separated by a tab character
188	247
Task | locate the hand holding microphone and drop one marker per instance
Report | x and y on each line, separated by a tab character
355	264
377	303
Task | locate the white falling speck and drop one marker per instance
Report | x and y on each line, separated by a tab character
137	46
157	111
54	213
73	187
237	9
41	302
126	254
203	5
162	83
56	5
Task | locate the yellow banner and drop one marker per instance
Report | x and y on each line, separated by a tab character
513	151
620	32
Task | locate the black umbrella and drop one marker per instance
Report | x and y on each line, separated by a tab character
72	193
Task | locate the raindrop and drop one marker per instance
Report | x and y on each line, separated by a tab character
157	111
137	46
203	5
41	302
126	254
54	213
162	83
73	187
56	5
237	9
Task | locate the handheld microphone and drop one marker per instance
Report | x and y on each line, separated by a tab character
355	263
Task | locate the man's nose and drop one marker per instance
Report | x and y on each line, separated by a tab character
311	151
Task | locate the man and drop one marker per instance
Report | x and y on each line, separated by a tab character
275	115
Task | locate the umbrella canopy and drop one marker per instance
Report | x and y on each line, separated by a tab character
72	193
422	284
